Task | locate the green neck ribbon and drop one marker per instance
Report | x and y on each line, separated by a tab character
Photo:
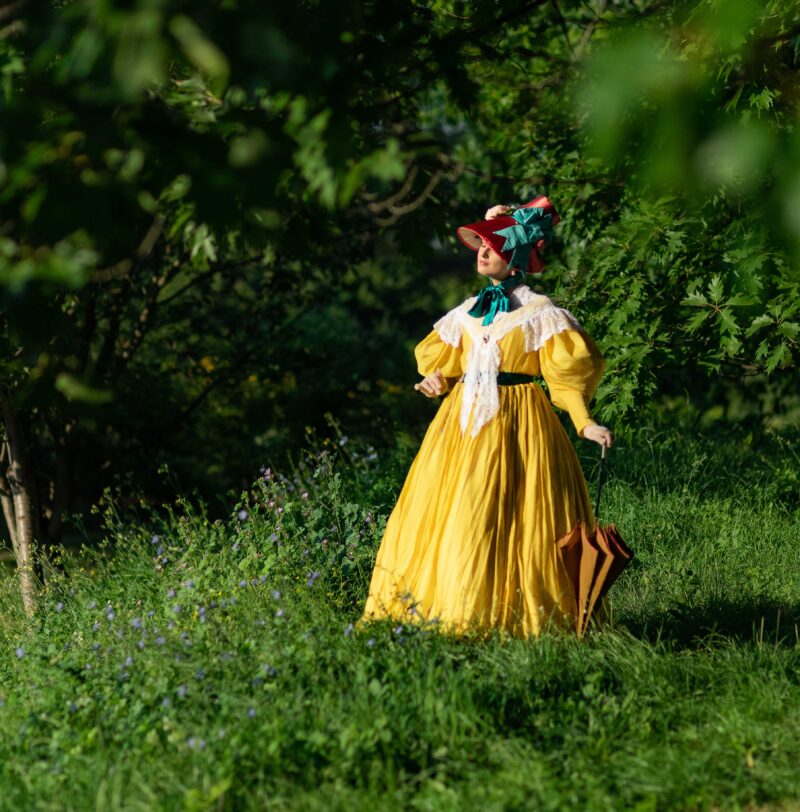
493	298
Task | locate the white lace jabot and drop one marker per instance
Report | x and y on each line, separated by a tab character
539	319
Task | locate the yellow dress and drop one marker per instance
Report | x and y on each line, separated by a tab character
470	543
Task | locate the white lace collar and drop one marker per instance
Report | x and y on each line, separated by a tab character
539	318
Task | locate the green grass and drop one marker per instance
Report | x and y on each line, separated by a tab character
691	700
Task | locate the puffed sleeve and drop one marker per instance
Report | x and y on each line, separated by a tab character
433	353
572	366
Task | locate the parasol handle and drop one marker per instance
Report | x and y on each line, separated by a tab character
600	473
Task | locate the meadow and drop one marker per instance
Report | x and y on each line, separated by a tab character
190	663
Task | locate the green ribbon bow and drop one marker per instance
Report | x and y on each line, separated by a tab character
533	225
493	298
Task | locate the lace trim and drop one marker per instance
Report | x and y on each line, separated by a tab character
449	326
546	324
539	319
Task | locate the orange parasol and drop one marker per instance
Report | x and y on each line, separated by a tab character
593	560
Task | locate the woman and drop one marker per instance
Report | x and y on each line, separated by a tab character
470	543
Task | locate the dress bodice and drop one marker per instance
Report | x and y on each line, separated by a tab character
535	337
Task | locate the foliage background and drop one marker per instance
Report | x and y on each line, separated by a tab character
221	223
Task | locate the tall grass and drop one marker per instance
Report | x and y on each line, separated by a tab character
197	664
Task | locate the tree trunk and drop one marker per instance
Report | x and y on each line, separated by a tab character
7	500
20	484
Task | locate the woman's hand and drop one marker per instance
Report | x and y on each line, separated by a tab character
599	434
432	385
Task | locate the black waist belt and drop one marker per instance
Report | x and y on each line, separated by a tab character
511	378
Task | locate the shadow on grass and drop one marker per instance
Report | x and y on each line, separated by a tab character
764	622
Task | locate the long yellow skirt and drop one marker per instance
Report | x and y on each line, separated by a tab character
471	543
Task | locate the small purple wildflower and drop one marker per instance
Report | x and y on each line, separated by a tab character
182	691
199	674
140	644
348	629
242	515
160	641
59	607
279	613
312	577
371	641
96	626
276	594
243	583
136	623
235	546
171	593
128	661
273	537
176	608
20	652
165	702
251	713
155	540
92	605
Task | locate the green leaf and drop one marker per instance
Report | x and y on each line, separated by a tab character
74	389
727	322
715	289
757	323
695	299
776	356
697	319
790	329
201	52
